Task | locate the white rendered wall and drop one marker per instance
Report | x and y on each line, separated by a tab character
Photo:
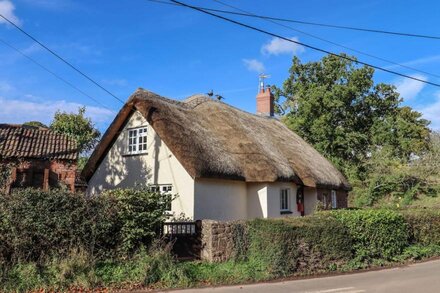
310	200
157	166
223	200
256	200
273	199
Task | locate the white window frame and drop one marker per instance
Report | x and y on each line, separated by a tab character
285	200
163	189
137	140
334	199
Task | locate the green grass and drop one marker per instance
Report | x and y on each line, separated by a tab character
158	269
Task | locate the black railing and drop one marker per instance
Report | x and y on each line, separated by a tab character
181	228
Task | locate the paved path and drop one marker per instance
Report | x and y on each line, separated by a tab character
422	277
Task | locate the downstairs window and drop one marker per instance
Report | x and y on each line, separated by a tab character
165	190
285	200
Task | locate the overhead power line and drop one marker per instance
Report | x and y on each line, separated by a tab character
61	58
305	45
333	43
403	34
53	73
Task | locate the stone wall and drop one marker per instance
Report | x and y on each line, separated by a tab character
217	240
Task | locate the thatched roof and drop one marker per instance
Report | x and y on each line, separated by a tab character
214	140
21	141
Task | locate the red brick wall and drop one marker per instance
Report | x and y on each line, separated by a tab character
30	173
265	103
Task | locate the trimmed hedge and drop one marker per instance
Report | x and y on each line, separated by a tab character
37	225
282	247
376	234
424	226
322	242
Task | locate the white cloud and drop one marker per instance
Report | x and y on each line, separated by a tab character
278	46
31	49
52	4
419	61
431	113
409	88
254	65
116	82
5	86
19	111
7	10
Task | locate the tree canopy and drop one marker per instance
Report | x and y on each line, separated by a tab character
382	146
335	105
35	124
77	126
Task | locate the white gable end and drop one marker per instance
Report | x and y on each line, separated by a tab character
135	161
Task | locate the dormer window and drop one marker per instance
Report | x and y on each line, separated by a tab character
137	141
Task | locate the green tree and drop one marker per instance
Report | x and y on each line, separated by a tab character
35	124
77	126
335	105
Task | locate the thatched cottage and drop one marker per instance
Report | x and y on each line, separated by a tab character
223	163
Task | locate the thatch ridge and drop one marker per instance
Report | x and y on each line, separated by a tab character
212	139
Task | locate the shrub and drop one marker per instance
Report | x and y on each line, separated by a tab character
139	214
376	234
424	226
37	225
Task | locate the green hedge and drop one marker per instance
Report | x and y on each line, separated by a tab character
376	234
281	247
322	242
37	225
424	226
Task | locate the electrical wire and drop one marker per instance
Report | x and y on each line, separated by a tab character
305	45
61	58
331	42
52	73
312	23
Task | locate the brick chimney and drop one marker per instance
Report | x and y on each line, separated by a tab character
265	102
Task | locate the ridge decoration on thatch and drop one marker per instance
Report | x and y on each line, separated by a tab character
214	140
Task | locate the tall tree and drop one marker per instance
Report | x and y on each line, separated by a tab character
35	124
77	126
335	105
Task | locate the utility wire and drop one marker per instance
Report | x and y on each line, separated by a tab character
305	45
53	73
61	58
312	23
331	42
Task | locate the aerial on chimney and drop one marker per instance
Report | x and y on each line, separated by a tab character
265	99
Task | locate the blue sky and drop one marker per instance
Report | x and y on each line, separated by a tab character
177	52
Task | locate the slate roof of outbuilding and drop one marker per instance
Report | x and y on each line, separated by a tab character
19	141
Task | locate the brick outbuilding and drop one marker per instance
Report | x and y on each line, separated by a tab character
39	157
